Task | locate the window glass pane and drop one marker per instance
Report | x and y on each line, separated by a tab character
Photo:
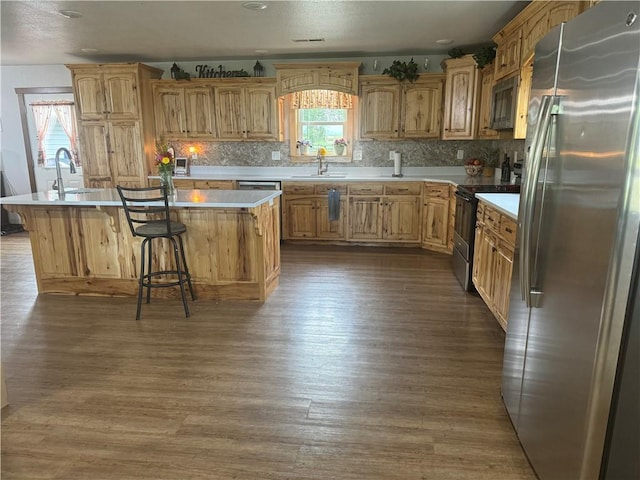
53	140
321	126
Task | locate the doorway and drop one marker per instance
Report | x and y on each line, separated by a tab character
55	132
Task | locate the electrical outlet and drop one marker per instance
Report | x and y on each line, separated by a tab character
275	155
392	154
357	155
460	154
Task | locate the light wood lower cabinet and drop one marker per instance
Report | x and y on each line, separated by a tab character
435	217
189	184
369	212
306	212
493	260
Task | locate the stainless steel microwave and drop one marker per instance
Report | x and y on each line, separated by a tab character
504	102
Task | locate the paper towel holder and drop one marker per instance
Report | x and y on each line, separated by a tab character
397	165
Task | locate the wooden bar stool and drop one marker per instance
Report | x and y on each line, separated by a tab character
147	211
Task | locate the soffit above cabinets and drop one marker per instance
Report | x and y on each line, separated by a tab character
295	77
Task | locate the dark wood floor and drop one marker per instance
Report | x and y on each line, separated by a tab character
363	364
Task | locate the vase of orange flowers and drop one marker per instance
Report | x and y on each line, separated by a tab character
164	164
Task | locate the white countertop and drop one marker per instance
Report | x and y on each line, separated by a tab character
183	198
506	203
337	173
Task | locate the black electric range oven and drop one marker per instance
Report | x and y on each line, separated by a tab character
465	227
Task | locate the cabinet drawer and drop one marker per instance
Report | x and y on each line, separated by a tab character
403	189
365	189
439	190
183	184
508	230
323	188
214	184
492	219
299	188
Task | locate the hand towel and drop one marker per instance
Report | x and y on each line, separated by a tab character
334	204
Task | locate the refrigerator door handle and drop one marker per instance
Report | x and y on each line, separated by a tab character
538	142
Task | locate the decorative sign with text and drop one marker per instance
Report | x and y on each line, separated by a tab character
204	71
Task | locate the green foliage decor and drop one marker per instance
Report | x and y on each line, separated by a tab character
402	70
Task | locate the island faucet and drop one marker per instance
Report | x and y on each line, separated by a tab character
57	185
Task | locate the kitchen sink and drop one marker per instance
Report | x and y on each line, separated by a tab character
326	175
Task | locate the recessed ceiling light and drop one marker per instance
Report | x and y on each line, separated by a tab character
89	50
305	40
254	5
444	41
70	13
262	52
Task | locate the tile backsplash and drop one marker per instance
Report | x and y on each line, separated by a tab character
415	153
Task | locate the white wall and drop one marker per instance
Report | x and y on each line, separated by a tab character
13	158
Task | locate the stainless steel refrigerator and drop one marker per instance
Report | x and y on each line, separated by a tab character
571	363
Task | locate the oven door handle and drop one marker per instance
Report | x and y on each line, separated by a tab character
462	197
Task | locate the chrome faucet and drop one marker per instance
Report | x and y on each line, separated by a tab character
321	169
57	185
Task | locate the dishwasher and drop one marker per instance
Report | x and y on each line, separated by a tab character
262	185
258	185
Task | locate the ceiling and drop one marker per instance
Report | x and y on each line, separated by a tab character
34	33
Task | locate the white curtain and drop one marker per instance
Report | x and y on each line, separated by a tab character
67	117
321	99
42	116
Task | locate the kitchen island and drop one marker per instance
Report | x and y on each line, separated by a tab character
82	245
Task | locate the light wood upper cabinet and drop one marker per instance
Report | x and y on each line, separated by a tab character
184	111
564	11
109	93
422	109
535	27
522	108
391	110
114	104
507	59
261	112
460	99
246	112
379	111
484	105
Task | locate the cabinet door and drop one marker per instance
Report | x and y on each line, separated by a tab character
326	229
379	117
485	104
536	27
229	113
563	11
460	100
300	218
199	118
402	218
435	224
94	153
214	184
508	55
169	112
422	110
121	94
126	155
484	263
502	283
260	112
89	95
524	91
365	218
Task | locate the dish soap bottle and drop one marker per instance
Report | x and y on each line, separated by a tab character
506	170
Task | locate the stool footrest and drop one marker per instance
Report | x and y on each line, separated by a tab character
148	277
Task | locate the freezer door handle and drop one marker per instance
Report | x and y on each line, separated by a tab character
530	188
